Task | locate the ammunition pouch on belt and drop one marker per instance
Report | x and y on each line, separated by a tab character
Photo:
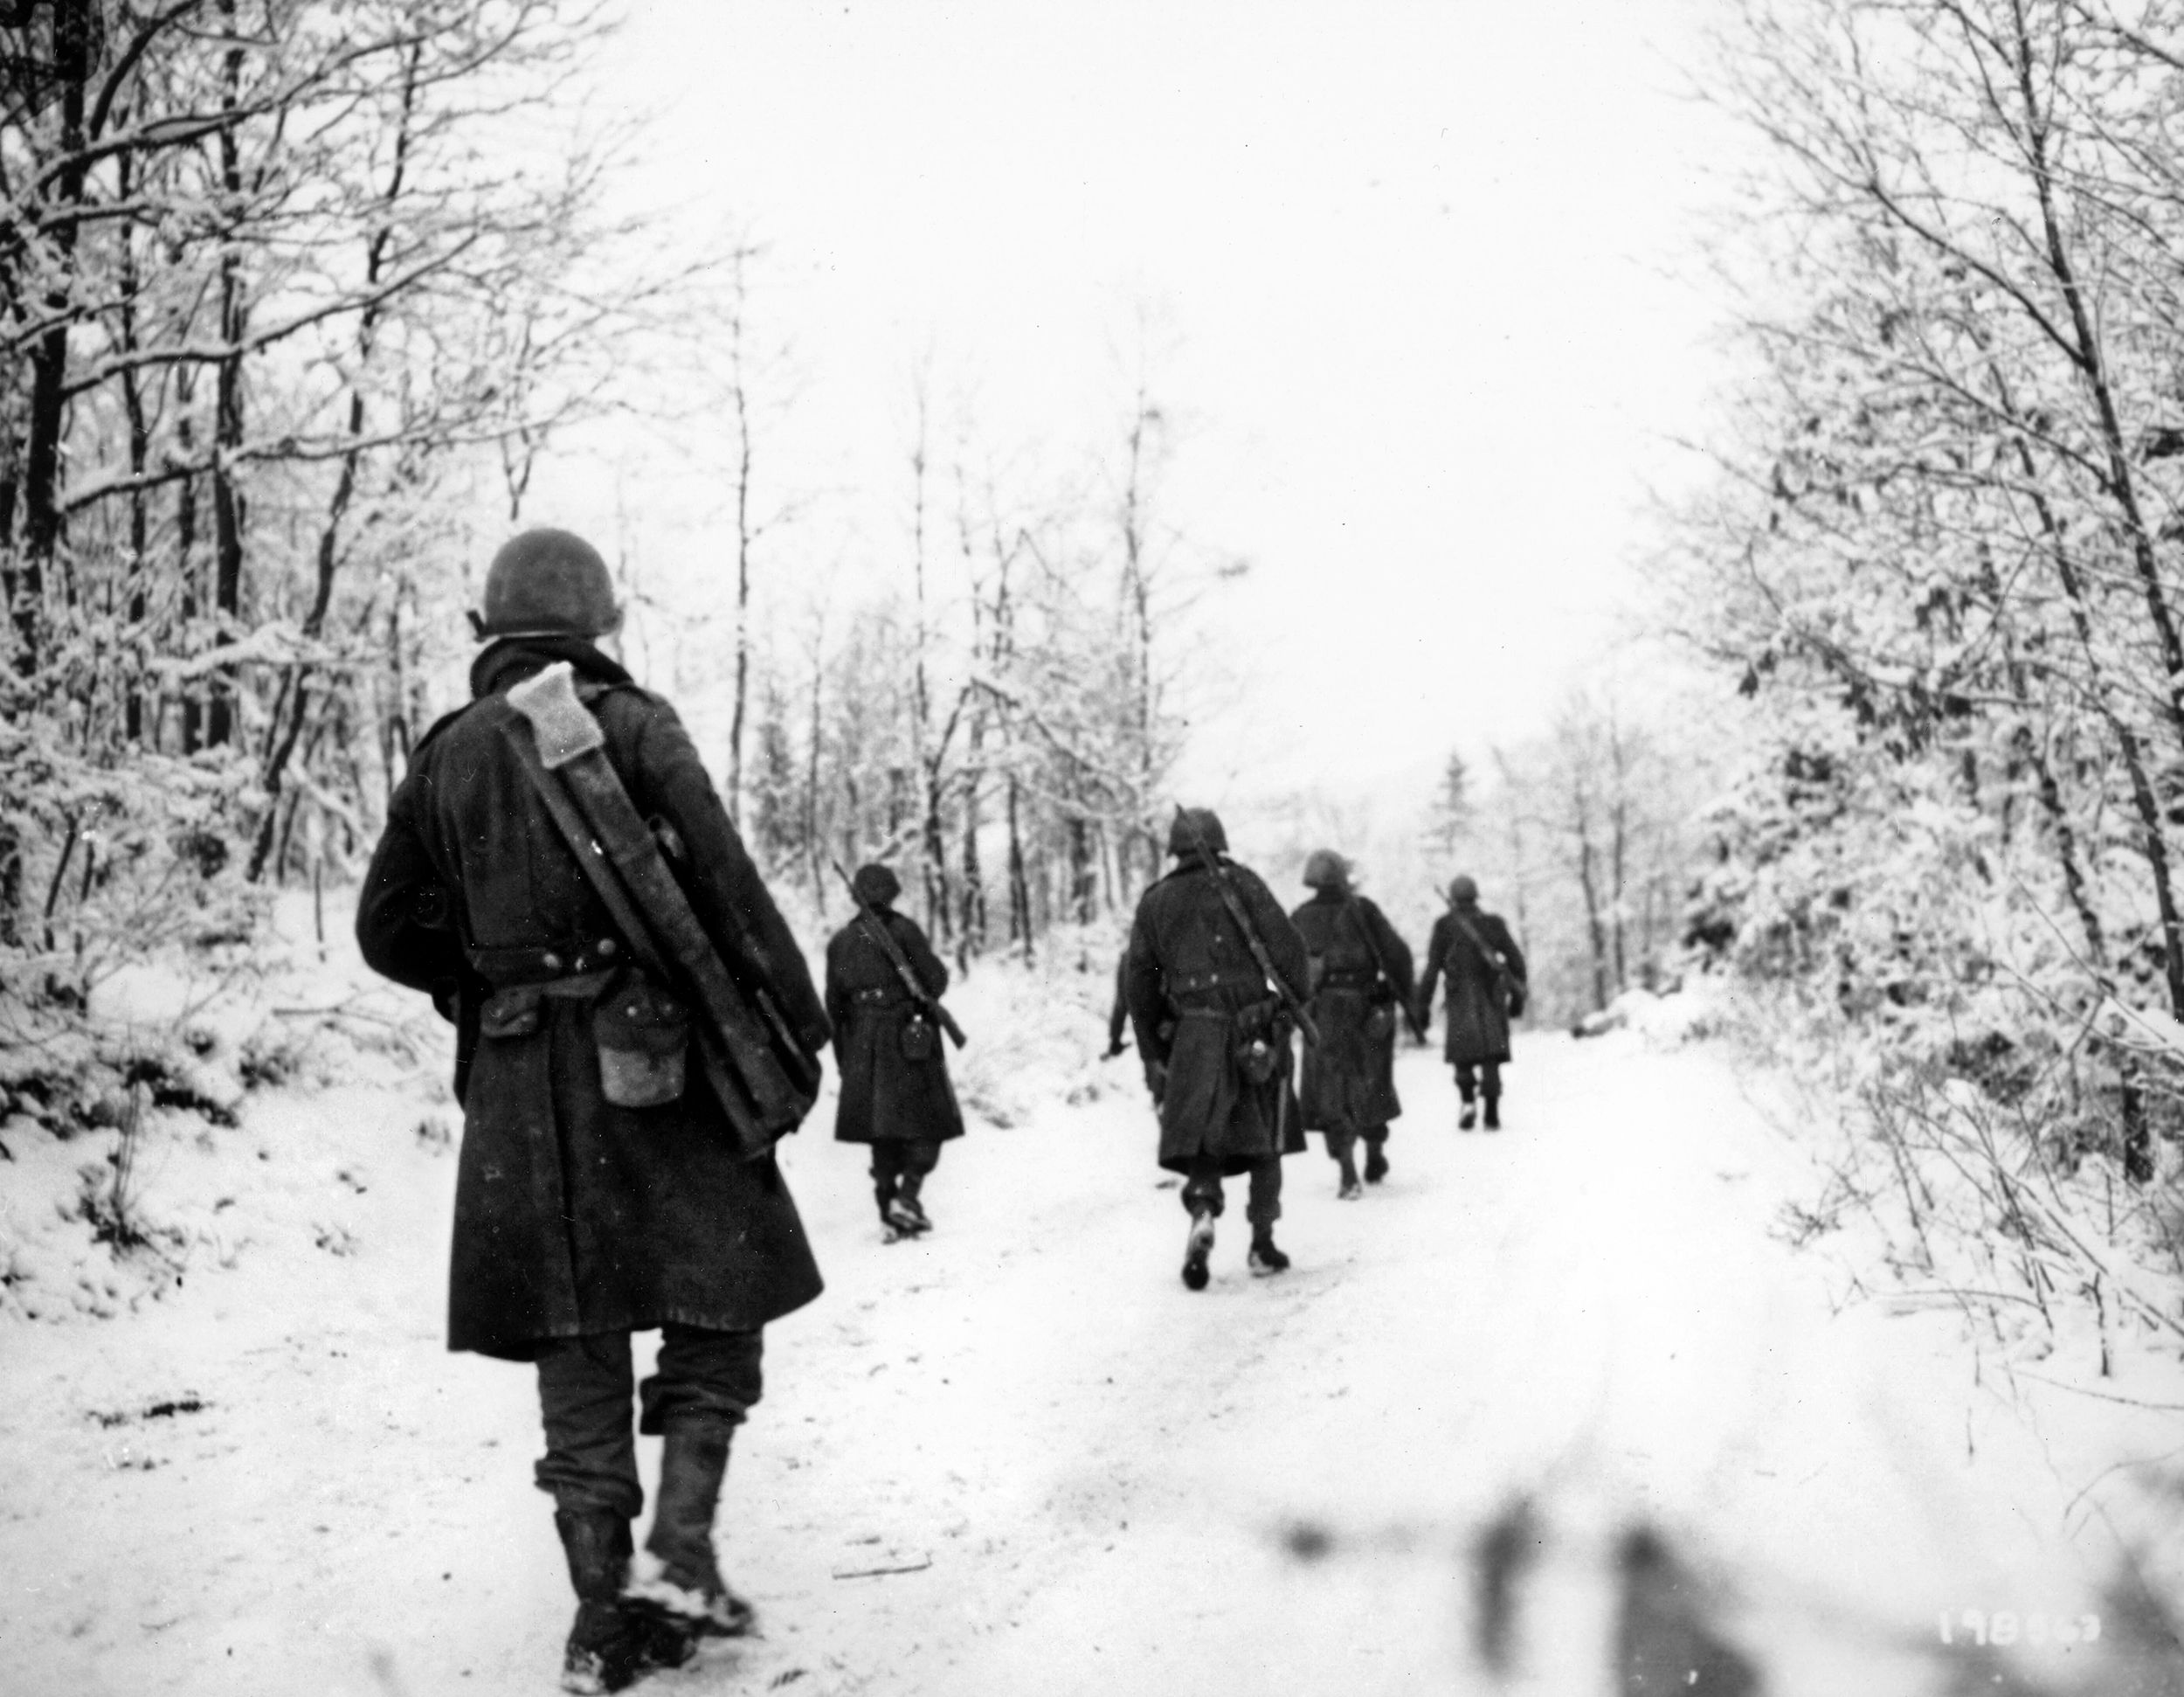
641	1031
643	1035
918	1038
1261	1036
1379	1023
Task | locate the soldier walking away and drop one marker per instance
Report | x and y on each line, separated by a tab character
1214	969
595	1196
895	1091
1486	990
1361	986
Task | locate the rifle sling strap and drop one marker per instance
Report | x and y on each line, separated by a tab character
618	857
1491	956
1354	910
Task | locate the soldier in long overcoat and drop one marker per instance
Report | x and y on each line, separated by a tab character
1361	989
895	1095
578	1222
1486	988
1214	1037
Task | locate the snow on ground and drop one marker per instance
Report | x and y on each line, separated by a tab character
1019	1457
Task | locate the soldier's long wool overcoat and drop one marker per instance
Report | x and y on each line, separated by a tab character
1196	992
886	1096
1478	1018
1358	964
573	1215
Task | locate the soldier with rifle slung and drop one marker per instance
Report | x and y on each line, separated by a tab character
883	990
632	1036
1215	970
1361	986
1486	990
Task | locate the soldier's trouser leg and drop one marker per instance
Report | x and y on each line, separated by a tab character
706	1383
1467	1080
1264	1206
918	1158
1375	1138
887	1173
585	1389
1491	1080
1202	1187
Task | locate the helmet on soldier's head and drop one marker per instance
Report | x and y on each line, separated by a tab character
876	884
1462	891
1196	830
1325	869
547	582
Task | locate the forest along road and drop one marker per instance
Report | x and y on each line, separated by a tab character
1553	1410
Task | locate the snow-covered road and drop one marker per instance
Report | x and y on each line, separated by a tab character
1081	1477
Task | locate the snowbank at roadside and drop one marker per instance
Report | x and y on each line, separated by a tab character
135	1156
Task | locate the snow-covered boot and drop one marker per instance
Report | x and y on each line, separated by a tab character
1197	1250
1469	1116
1494	1114
676	1578
1264	1258
1376	1164
1350	1189
609	1647
883	1194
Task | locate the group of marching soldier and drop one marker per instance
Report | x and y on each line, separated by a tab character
636	1025
1218	978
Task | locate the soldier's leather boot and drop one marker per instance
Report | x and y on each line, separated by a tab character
1350	1189
1469	1116
1197	1250
1376	1163
1264	1258
883	1194
676	1579
1494	1114
608	1645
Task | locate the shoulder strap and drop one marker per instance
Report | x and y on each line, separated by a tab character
1355	909
1492	956
765	1081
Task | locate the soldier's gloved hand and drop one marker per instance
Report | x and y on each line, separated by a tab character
1156	1080
1114	1048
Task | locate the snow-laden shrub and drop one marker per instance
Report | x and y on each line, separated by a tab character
115	860
1920	939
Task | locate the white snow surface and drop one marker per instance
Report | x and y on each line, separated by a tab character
1077	1475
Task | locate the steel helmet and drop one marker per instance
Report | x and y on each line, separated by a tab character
1325	869
1197	830
547	582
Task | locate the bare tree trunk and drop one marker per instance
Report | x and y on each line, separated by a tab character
75	31
227	417
1138	588
1019	883
739	393
186	550
1588	881
1619	834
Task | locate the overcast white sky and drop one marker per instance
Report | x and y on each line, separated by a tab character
1418	263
